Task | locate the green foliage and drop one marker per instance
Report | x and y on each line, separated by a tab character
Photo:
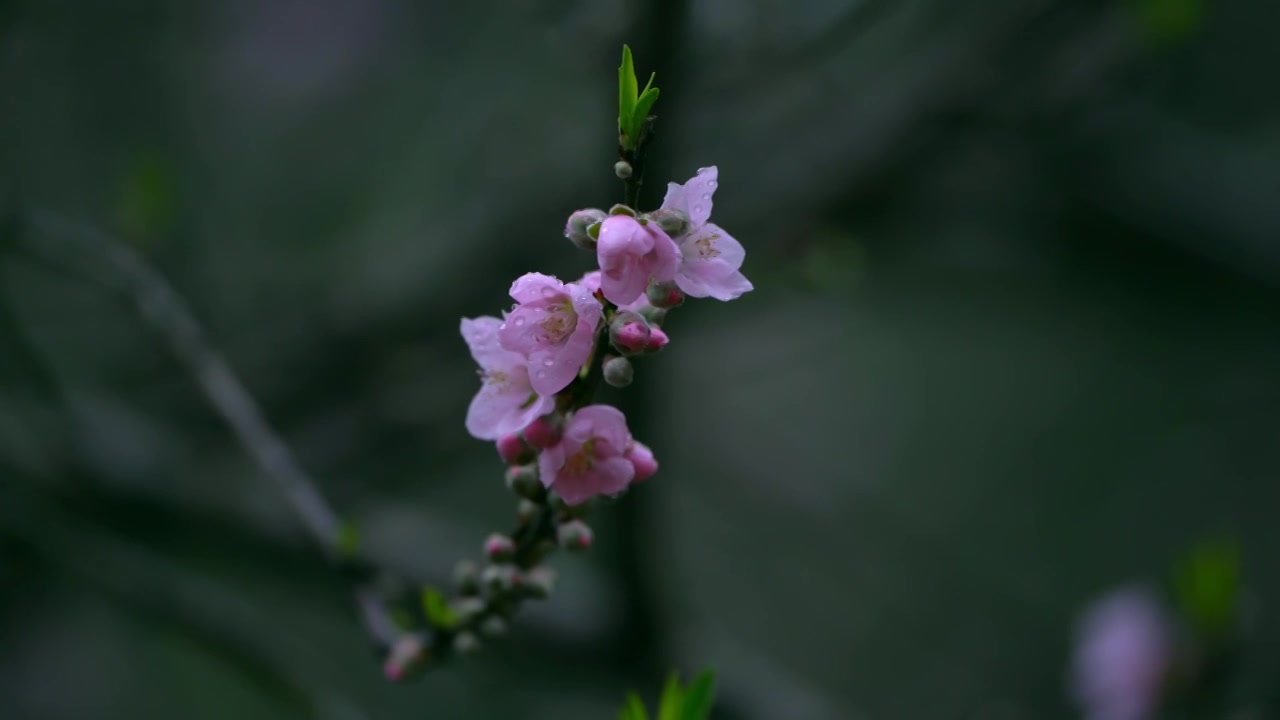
1207	587
437	610
690	702
348	540
633	105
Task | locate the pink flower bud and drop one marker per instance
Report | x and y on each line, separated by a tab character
499	548
575	535
657	340
629	333
543	432
664	295
512	450
641	458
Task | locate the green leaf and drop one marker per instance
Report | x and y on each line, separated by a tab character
672	699
699	696
627	92
633	710
438	612
643	105
1207	586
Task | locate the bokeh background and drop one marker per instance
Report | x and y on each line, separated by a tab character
1014	342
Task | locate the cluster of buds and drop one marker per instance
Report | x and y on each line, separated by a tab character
540	365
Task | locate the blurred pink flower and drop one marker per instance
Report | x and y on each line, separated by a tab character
554	326
631	255
710	257
1124	648
506	401
590	459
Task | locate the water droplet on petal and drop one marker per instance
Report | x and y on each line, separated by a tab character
541	374
697	208
706	196
712	184
502	327
549	293
519	321
548	362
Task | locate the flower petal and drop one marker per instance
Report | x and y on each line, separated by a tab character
694	197
606	477
603	422
481	335
505	406
535	287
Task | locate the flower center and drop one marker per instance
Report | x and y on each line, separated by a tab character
493	377
560	322
706	246
581	461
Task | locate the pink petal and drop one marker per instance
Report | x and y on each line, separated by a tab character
603	422
522	331
551	460
606	477
481	335
505	407
694	197
533	287
664	259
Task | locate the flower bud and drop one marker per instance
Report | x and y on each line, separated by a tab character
407	651
467	609
657	340
493	626
523	481
466	643
527	511
500	578
466	576
499	548
513	451
574	535
672	222
543	432
576	229
629	332
664	295
621	209
622	169
540	582
641	458
618	371
653	315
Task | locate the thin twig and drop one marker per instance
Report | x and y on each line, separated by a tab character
69	245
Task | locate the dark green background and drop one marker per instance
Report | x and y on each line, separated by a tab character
1015	340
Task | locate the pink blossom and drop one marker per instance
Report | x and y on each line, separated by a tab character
710	257
591	281
542	433
554	326
590	458
1123	650
512	449
506	401
632	254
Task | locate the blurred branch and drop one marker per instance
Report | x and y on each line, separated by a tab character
65	244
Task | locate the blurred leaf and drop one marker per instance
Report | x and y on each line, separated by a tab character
437	610
1169	21
148	202
633	710
698	697
1207	586
672	699
348	540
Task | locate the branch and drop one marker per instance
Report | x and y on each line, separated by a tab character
106	261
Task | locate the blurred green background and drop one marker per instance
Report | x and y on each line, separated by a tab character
1015	340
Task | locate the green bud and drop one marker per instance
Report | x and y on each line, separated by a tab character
523	481
672	222
622	210
466	643
574	535
493	626
622	169
618	371
540	582
466	576
578	227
